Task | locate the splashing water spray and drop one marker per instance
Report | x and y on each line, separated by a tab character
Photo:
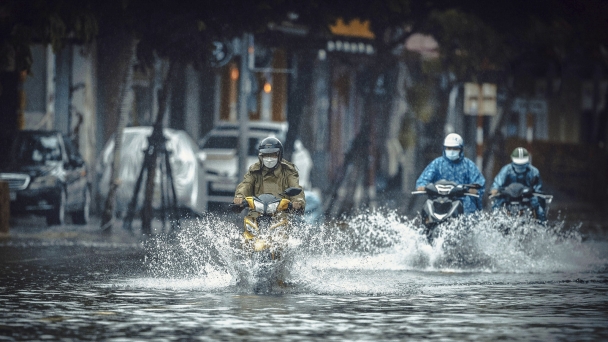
206	253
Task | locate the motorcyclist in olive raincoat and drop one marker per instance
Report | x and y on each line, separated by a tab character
271	174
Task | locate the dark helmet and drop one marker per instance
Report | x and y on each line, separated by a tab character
271	145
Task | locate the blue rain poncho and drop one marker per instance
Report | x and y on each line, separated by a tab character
461	171
531	178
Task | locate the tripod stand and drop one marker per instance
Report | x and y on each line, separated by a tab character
156	156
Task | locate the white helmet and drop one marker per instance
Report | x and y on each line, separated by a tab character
453	140
520	156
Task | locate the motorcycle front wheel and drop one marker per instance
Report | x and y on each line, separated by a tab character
263	272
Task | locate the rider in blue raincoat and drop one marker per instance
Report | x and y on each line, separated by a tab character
520	171
454	166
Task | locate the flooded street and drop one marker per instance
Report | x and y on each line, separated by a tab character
374	278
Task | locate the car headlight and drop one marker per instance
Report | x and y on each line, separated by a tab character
272	208
43	182
259	206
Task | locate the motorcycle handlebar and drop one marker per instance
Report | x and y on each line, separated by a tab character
547	197
237	208
422	192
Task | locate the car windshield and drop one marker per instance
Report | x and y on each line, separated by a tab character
231	142
37	149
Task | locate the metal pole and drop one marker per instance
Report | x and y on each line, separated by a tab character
244	89
529	128
529	132
479	140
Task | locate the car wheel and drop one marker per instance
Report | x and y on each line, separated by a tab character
82	216
56	216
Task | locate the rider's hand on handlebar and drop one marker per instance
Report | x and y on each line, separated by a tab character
420	188
238	200
473	191
296	205
494	192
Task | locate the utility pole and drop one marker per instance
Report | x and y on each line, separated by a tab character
244	90
479	141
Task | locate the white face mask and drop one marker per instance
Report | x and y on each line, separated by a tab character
452	154
270	162
520	168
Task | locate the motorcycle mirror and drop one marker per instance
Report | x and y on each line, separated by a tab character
292	191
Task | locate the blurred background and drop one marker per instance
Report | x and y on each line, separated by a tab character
360	93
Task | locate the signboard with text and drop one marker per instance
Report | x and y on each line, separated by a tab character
480	99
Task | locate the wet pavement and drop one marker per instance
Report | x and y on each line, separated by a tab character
373	279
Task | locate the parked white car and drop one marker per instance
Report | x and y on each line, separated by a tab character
188	175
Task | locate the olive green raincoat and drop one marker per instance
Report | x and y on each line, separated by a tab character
259	180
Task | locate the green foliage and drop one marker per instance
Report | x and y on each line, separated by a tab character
473	36
24	23
467	45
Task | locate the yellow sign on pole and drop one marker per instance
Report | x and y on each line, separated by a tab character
480	99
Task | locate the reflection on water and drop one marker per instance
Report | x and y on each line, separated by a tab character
372	277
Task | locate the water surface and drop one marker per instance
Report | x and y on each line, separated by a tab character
373	277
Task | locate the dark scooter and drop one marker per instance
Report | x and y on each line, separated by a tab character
444	203
517	200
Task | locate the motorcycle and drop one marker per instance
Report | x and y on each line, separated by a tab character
517	200
265	236
443	203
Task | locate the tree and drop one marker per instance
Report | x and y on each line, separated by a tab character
473	38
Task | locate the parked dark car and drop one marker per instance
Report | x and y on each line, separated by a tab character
47	176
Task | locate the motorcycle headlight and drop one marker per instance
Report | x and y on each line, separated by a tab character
272	208
259	206
43	182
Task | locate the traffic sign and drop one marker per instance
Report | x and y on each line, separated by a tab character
221	53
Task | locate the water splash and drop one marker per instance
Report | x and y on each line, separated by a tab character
358	253
203	253
470	243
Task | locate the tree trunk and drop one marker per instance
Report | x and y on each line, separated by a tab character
127	60
9	109
5	204
362	160
299	84
157	137
356	164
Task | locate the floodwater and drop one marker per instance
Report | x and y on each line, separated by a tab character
369	277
